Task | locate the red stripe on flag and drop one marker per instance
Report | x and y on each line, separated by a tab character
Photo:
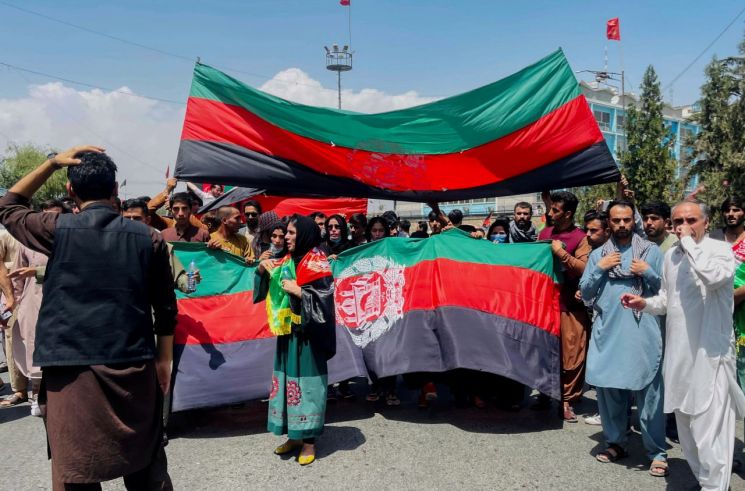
332	206
515	293
220	319
562	132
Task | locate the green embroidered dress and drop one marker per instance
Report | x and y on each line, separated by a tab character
297	402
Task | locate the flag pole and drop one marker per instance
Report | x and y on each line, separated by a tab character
349	23
623	80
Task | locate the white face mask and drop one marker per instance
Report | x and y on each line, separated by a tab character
274	249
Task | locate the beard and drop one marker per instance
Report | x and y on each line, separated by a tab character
736	222
621	234
252	222
522	224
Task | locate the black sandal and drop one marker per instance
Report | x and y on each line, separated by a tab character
611	454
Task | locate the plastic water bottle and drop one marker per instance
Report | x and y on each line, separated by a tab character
191	280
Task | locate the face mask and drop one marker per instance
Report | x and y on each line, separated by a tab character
335	241
252	222
498	238
274	249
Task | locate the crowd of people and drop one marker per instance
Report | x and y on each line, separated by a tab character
650	307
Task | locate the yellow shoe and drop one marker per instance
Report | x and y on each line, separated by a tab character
287	447
306	459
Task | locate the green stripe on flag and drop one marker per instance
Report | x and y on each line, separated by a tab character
222	273
455	245
447	126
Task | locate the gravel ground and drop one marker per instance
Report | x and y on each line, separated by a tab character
371	446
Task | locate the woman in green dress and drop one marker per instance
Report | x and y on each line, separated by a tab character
299	292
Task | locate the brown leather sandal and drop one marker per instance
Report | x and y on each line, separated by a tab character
659	468
13	400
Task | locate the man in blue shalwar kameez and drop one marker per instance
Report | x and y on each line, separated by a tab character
625	352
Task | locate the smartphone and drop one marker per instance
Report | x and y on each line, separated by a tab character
6	315
604	206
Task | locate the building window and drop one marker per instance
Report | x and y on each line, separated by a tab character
686	135
603	119
620	122
467	201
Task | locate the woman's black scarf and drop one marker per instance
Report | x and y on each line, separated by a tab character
308	236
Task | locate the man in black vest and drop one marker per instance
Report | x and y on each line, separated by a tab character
108	293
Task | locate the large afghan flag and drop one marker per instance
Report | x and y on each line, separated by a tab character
432	305
224	350
530	131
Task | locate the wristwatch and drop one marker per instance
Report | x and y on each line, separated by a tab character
50	156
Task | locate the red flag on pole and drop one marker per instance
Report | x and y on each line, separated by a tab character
345	3
613	29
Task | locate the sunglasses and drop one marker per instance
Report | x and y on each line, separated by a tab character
334	227
252	214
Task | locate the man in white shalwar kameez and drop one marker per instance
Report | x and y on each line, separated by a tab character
699	364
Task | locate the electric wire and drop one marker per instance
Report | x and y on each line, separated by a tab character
106	142
703	52
190	59
85	84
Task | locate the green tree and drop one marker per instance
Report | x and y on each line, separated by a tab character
648	162
720	145
19	160
588	197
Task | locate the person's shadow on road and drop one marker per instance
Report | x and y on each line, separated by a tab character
339	439
13	413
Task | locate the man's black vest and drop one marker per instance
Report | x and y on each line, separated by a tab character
96	307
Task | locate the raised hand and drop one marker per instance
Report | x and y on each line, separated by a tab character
67	158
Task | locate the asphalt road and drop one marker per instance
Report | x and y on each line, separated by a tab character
372	446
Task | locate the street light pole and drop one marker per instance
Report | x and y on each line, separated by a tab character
338	60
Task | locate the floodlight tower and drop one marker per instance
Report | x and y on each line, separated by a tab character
338	60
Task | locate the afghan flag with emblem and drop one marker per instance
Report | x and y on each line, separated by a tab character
223	345
530	131
449	301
